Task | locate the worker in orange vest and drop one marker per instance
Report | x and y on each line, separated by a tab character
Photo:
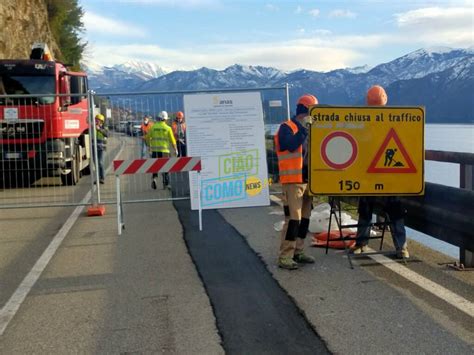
376	96
292	152
179	130
146	125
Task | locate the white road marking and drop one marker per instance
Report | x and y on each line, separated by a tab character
446	295
15	301
11	307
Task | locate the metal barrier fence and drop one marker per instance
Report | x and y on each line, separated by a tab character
45	149
125	113
148	166
47	152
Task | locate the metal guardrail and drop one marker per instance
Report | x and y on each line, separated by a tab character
444	212
465	161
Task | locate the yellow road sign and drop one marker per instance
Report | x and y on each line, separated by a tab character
366	151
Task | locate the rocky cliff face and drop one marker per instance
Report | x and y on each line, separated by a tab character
23	22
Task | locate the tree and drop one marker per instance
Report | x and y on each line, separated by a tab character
65	20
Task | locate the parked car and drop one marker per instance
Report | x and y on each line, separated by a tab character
134	128
122	126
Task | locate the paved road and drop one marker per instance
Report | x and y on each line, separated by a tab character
370	309
159	288
100	293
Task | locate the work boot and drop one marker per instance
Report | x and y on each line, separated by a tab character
302	258
403	253
358	249
287	263
153	184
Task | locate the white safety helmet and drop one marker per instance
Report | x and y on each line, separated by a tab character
163	116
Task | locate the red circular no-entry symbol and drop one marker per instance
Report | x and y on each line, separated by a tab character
339	150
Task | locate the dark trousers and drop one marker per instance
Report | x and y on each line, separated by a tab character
166	179
100	164
395	211
181	149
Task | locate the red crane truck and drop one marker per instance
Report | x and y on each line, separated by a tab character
45	135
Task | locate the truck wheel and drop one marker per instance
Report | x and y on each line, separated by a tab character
72	178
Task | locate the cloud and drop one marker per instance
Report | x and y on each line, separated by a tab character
342	13
298	10
437	25
97	23
322	32
271	7
313	49
176	3
309	54
314	12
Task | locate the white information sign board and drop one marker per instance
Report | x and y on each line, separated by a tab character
226	130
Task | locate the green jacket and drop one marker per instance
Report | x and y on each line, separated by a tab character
102	134
160	137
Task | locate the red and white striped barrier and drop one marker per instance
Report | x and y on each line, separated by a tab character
152	166
157	165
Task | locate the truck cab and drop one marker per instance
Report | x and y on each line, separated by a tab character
43	120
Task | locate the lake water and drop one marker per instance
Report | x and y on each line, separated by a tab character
446	137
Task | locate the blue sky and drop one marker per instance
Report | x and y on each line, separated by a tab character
288	35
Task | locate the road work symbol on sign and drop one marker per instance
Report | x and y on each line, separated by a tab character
365	151
392	157
339	150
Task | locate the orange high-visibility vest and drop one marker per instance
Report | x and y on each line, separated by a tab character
290	164
145	128
174	127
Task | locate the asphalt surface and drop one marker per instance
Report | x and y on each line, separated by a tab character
254	314
164	287
368	309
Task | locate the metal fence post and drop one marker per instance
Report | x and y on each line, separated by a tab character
199	199
466	177
93	138
119	205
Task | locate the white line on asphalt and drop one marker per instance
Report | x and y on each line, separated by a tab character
15	301
446	295
11	307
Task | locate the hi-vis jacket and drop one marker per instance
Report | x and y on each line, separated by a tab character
159	137
145	128
289	141
179	130
101	137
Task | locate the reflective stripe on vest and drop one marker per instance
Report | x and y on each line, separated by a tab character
290	164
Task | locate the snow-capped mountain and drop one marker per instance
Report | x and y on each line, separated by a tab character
235	76
437	78
126	75
145	70
359	70
423	62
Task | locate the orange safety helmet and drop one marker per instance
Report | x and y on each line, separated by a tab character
307	100
376	96
179	115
